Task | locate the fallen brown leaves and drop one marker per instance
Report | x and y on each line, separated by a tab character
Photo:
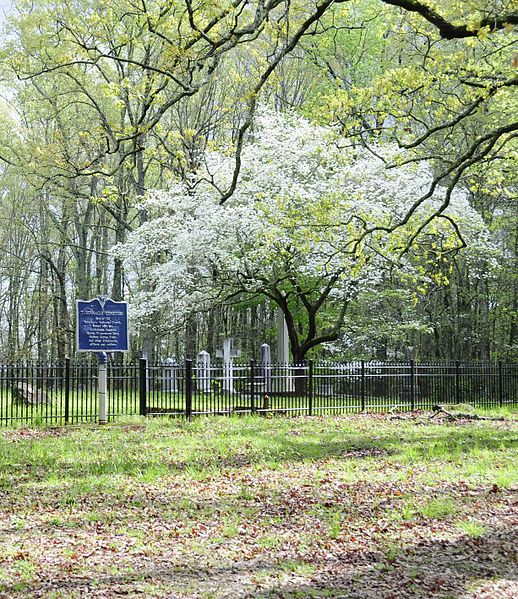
356	523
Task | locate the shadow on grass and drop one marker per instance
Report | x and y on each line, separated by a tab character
249	447
435	568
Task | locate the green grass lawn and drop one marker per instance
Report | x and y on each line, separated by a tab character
83	405
351	506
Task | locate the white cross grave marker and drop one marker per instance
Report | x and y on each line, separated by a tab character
228	353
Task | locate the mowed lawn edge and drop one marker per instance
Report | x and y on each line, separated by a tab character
350	506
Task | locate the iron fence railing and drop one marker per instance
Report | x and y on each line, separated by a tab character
67	393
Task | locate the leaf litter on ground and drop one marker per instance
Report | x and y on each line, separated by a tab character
360	506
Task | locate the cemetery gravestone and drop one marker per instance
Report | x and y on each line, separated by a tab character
283	354
170	376
27	394
266	366
204	371
228	353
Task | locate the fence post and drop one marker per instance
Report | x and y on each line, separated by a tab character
412	385
67	390
188	388
362	387
457	381
310	387
500	384
252	386
143	386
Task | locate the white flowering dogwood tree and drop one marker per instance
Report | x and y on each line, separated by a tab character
301	230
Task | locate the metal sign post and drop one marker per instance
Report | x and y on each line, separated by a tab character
102	327
101	386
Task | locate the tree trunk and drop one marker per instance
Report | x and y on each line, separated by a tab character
191	333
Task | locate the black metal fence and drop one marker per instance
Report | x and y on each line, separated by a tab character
67	393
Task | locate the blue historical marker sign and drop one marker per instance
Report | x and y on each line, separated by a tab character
102	325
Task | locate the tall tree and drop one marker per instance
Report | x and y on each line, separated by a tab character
292	232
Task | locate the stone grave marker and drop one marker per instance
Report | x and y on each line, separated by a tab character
25	393
203	363
283	355
266	366
170	376
228	353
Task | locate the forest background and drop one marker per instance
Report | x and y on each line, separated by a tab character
349	164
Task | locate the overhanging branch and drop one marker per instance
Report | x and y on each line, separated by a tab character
446	28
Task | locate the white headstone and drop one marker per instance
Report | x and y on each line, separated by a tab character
170	376
283	353
266	366
203	364
283	341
